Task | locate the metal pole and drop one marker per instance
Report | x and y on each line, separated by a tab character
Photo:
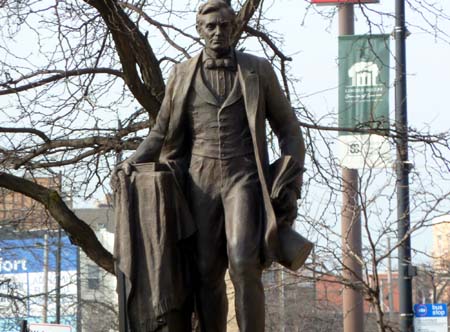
58	277
24	326
403	167
79	312
391	288
58	264
314	275
353	310
45	306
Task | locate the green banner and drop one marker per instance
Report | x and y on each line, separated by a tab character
363	82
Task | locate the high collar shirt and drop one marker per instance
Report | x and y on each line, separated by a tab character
219	74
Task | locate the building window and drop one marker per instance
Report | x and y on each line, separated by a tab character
93	277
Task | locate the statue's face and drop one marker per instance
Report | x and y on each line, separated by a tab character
215	29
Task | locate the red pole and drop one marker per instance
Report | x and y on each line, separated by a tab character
352	304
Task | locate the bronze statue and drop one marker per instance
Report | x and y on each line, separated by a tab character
211	131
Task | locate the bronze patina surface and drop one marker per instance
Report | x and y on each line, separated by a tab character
211	131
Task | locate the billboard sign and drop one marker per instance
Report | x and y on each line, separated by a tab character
22	267
26	255
363	100
431	317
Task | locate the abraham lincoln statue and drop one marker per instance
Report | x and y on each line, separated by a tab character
211	134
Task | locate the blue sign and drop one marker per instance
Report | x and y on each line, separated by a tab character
430	310
27	255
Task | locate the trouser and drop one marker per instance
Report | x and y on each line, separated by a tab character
226	202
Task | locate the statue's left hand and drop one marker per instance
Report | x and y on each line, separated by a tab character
290	197
287	205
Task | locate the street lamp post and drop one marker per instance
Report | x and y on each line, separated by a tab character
405	269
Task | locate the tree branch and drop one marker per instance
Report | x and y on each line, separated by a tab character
134	52
97	143
60	74
268	41
160	27
244	15
26	130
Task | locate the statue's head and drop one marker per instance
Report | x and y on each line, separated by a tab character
215	25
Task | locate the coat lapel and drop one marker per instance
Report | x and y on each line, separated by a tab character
183	81
250	87
186	74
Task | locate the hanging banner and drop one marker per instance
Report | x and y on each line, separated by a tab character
363	100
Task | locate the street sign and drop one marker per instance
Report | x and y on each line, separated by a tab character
430	317
43	327
336	2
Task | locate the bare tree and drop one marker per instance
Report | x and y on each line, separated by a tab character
81	81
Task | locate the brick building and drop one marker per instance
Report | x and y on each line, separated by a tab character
21	213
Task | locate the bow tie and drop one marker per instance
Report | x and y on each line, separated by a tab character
225	63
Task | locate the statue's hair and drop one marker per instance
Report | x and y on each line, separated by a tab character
212	6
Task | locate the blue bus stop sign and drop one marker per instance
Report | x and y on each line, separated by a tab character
430	317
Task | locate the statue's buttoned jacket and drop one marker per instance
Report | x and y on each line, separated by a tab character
169	139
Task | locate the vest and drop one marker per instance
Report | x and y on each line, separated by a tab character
218	130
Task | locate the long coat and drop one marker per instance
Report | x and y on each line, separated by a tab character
264	99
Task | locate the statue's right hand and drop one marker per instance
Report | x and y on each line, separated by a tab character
124	166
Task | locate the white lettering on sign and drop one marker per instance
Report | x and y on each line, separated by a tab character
438	310
12	265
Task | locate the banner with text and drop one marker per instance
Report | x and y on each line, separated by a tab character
363	100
